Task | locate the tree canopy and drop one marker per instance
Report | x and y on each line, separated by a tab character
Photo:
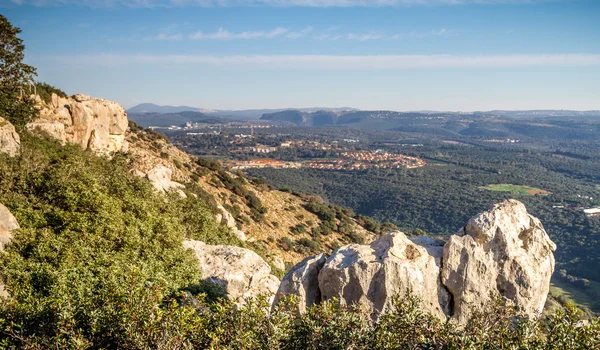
15	103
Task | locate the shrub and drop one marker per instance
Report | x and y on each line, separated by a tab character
45	91
99	257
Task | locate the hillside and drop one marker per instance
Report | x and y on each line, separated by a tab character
281	226
93	199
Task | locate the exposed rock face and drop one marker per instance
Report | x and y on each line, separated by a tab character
373	274
302	282
160	177
8	223
10	143
229	221
278	262
92	123
505	251
240	272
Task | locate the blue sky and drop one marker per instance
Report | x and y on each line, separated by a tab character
381	54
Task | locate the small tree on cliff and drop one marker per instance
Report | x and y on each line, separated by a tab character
15	105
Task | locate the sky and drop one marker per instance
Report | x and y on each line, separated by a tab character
404	55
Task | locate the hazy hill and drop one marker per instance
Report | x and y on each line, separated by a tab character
153	108
178	119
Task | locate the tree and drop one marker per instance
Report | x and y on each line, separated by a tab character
15	105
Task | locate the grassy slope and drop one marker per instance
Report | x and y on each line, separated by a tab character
285	210
515	189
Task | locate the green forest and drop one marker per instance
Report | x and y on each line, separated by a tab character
462	180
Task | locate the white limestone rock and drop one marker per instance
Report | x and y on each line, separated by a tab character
502	251
240	272
10	142
160	177
93	123
8	223
302	281
372	275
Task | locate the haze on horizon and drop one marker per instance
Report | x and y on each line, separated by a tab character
402	55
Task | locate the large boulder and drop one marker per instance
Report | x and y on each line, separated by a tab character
160	177
393	265
92	123
503	251
302	281
240	272
10	143
8	223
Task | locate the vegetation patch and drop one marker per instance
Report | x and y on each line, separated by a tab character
567	293
516	189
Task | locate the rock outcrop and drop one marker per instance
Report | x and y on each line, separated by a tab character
160	177
10	143
93	123
240	272
302	281
8	223
228	220
372	275
503	251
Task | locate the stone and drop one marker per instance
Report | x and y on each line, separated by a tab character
228	219
7	220
278	262
240	272
302	281
10	142
160	177
53	129
393	265
92	123
8	223
503	251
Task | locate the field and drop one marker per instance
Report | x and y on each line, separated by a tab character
516	189
560	288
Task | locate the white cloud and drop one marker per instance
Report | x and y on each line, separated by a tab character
333	62
166	37
300	34
223	34
365	37
274	3
329	35
415	34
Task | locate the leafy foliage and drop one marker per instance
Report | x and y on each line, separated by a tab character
45	91
99	256
15	104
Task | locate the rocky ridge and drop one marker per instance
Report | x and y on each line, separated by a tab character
102	126
93	123
501	252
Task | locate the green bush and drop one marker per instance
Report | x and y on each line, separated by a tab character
45	91
99	255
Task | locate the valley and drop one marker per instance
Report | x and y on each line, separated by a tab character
554	174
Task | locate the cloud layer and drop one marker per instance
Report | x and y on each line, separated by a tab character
334	62
223	34
274	3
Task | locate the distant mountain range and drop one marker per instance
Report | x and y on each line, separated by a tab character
152	108
230	114
148	114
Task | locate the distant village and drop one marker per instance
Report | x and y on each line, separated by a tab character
356	160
